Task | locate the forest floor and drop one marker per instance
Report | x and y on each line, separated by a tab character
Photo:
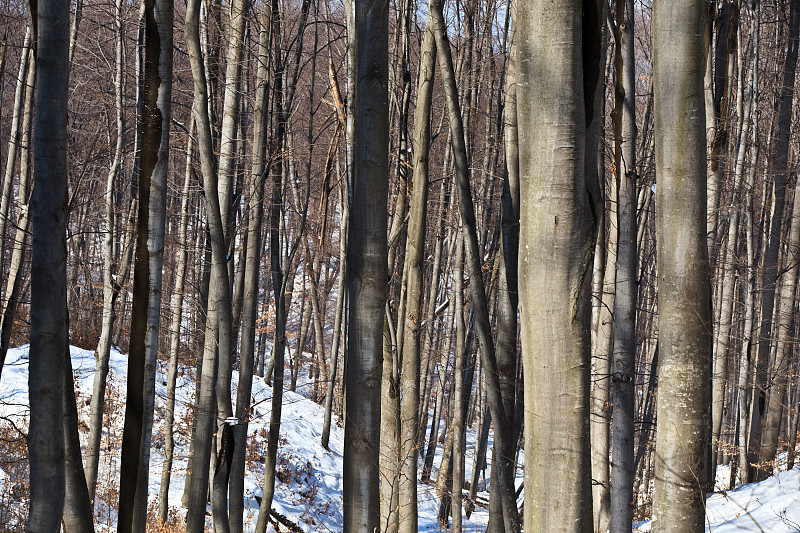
309	480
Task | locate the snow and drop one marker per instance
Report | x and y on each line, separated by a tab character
309	485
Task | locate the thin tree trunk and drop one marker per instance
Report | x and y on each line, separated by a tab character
337	323
784	107
390	435
624	355
16	134
415	258
473	254
13	288
153	164
783	348
722	332
459	413
78	517
218	343
258	175
176	310
111	286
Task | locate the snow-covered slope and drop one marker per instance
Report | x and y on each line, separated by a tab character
308	489
309	484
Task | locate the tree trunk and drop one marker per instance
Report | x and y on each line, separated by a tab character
176	310
153	164
684	319
13	289
14	139
48	312
783	348
473	254
217	343
366	262
784	107
624	358
78	517
559	202
258	174
415	258
111	286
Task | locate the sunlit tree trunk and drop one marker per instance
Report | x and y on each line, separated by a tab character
473	262
558	60
415	259
684	319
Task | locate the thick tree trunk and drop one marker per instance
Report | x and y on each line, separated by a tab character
366	263
48	314
559	202
684	320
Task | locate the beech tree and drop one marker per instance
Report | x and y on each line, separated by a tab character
366	262
558	56
684	319
49	333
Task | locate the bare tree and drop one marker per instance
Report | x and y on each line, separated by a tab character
684	319
558	61
49	333
624	355
366	261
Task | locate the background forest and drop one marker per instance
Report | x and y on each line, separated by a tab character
591	240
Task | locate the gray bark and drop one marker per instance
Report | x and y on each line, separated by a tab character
111	286
258	175
13	288
218	325
779	169
48	311
473	254
16	133
153	164
366	262
176	310
559	200
684	320
415	258
624	355
78	516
